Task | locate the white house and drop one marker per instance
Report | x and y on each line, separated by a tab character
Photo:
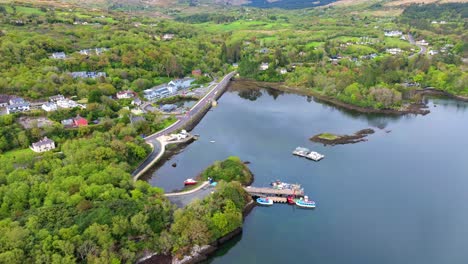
66	103
18	105
393	33
433	52
43	145
283	71
394	51
125	94
59	55
168	36
56	98
422	43
92	75
264	66
49	107
180	84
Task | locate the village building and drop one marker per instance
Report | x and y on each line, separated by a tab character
56	98
235	65
283	71
125	94
394	51
433	52
196	72
181	84
168	36
168	107
67	123
49	107
66	103
4	99
59	55
43	145
137	101
264	66
91	75
393	33
18	105
80	121
422	42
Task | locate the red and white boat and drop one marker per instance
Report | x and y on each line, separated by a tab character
190	182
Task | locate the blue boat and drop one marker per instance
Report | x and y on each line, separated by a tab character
264	201
305	203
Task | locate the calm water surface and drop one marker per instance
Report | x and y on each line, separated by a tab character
401	197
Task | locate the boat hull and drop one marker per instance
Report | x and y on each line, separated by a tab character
264	202
307	205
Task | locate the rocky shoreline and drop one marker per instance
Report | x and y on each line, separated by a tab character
414	108
359	136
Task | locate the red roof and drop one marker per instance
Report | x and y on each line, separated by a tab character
80	121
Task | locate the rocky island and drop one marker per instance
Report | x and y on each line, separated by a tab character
332	139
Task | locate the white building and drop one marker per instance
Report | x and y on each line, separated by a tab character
56	98
264	66
125	94
168	36
59	55
18	105
394	51
49	107
66	103
283	71
422	43
43	145
393	33
433	52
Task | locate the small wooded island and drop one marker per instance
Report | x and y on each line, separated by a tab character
332	139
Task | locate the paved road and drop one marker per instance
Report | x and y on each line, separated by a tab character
183	200
180	123
413	42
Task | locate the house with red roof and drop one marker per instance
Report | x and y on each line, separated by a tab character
80	121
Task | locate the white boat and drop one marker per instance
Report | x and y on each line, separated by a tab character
305	203
264	201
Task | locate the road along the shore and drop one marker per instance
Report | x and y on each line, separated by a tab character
192	117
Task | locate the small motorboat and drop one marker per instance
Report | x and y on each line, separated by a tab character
190	182
212	141
305	203
264	201
291	199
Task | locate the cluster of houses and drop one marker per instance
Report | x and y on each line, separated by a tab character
168	89
444	49
86	52
95	51
59	101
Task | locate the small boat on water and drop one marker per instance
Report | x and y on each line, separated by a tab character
212	141
190	182
291	199
315	156
305	203
264	201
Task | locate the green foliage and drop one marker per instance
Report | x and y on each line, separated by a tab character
231	169
202	222
81	206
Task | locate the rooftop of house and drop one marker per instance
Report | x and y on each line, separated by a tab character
43	142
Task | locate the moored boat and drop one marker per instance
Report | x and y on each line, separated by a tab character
190	182
305	203
264	201
291	199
